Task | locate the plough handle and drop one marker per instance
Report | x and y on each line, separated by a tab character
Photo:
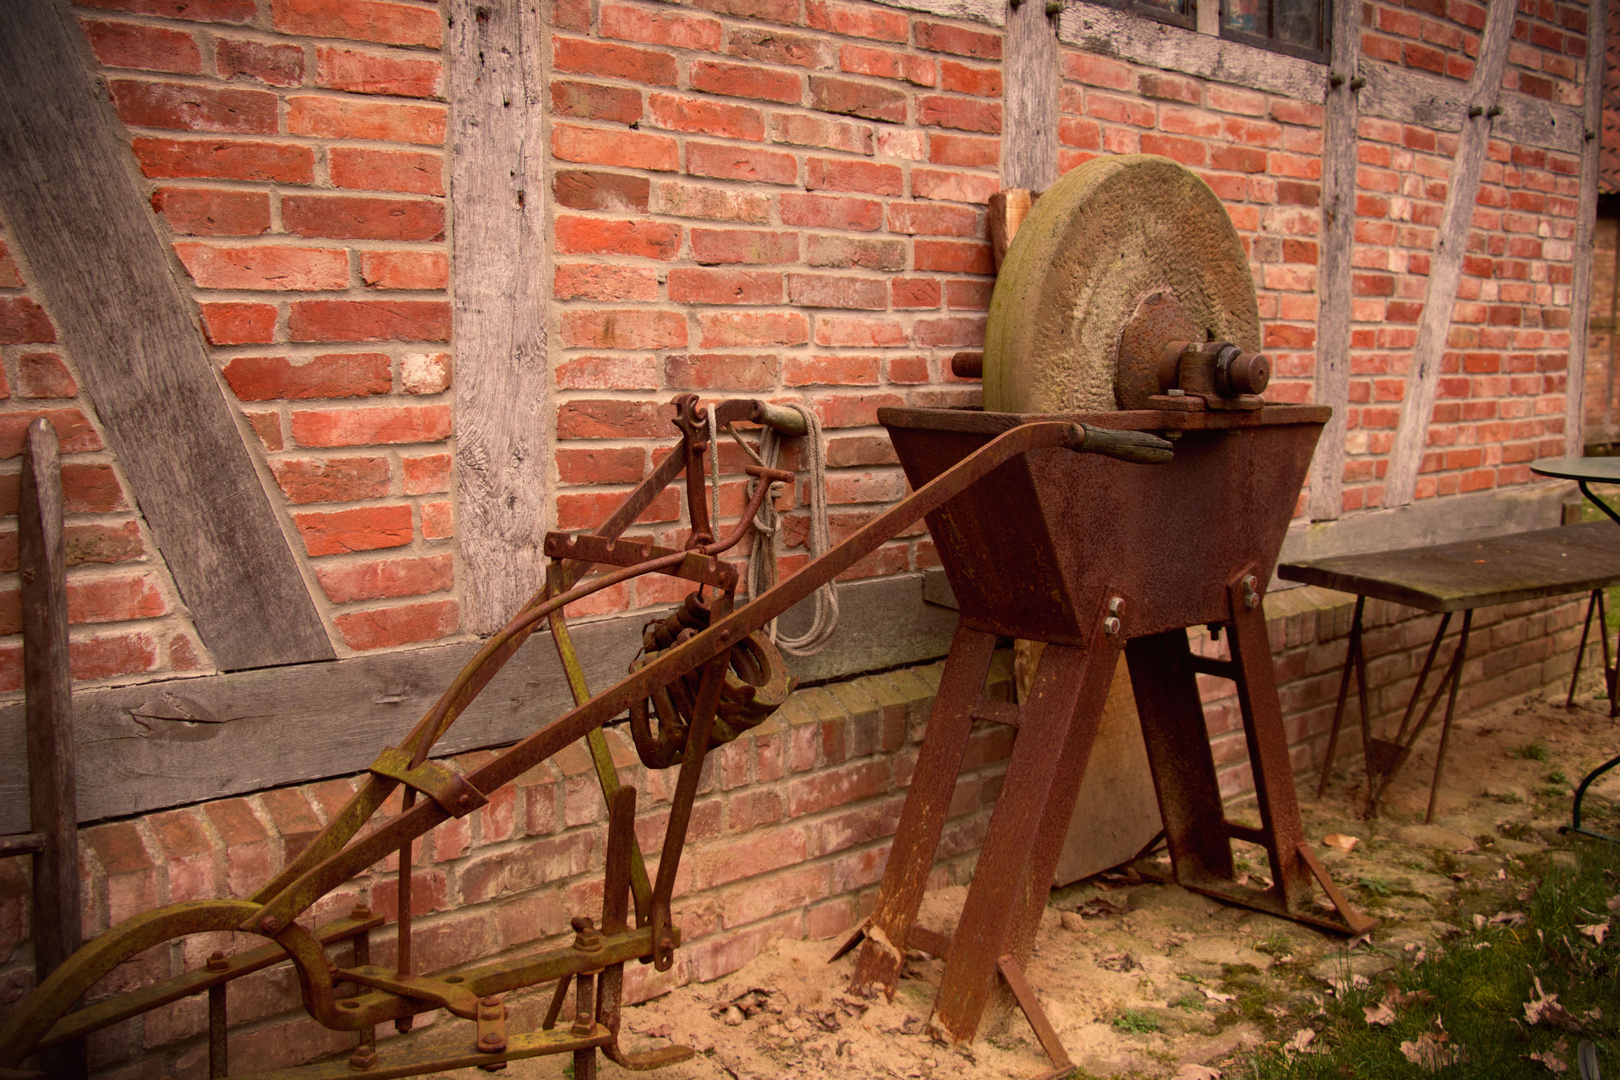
1141	447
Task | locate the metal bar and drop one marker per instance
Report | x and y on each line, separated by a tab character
1580	793
922	816
1457	661
1423	676
1358	923
48	685
1031	1005
219	1062
23	843
1208	665
402	1058
1344	691
1580	650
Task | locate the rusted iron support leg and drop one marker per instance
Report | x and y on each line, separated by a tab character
877	967
1268	748
219	1062
1352	660
1580	650
1180	757
1014	874
1458	658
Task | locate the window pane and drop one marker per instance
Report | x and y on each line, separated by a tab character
1298	22
1245	16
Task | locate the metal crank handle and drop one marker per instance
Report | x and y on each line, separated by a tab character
1142	447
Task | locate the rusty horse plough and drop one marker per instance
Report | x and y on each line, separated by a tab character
706	675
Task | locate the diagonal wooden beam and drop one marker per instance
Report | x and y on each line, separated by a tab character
1580	300
1333	282
106	278
1445	268
503	386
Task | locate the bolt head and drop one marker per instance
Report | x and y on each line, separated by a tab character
271	924
1116	605
1111	626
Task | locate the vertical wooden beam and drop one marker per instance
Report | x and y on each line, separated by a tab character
1338	246
1445	269
107	280
48	683
497	210
1029	99
1580	300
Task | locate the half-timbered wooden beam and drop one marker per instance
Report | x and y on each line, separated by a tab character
1580	301
71	200
498	297
1445	268
1333	276
1030	99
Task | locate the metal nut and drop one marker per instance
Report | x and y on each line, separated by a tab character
1111	626
1116	605
271	924
363	1059
217	962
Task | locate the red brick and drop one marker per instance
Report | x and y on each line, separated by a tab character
10	276
694	286
594	101
359	20
832	371
968	150
673	28
628	149
932	220
369	320
369	73
438	521
88	489
317	480
225	11
218	159
351	118
213	266
840	174
797	129
887	64
963	79
848	252
682	198
837	291
365	528
726	162
606	465
962	114
959	332
143	47
776	47
191	107
952	186
114	600
744	374
780	11
332	375
238	324
580	190
275	65
43	375
383	579
623	329
915	292
942	37
370	427
607	373
23	322
600	236
845	332
612	419
741	329
593	281
952	256
743	80
73	430
604	60
101	543
213	211
405	269
680	113
856	20
110	656
755	246
831	212
386	170
871	101
426	475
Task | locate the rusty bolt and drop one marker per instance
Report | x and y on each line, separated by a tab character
1116	605
1251	595
586	938
1111	626
363	1059
217	962
464	801
491	1042
493	1001
361	912
271	924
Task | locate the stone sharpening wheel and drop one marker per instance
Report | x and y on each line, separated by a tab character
1126	282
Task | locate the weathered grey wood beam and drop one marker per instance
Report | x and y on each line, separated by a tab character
1445	268
1029	91
1580	300
1333	273
497	212
182	741
1416	97
76	210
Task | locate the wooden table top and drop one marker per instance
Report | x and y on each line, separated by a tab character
1476	573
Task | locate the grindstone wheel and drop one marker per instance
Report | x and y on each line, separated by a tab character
1094	246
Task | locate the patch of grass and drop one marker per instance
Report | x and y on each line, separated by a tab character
1556	777
1189	1002
1137	1023
1376	885
1275	943
1534	750
1478	983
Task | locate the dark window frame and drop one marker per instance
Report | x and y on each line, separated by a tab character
1320	55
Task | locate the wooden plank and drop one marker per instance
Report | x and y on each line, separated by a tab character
106	278
1580	301
48	681
1440	104
1445	271
1333	280
498	317
206	738
1030	78
1171	48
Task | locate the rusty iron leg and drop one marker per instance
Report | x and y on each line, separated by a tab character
1014	874
1352	662
877	966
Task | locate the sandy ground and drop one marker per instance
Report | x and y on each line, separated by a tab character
1150	980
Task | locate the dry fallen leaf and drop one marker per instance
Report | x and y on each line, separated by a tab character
1507	918
1433	1050
1381	1014
1301	1043
1544	1008
1341	842
1555	1058
1596	931
1216	995
1190	1071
